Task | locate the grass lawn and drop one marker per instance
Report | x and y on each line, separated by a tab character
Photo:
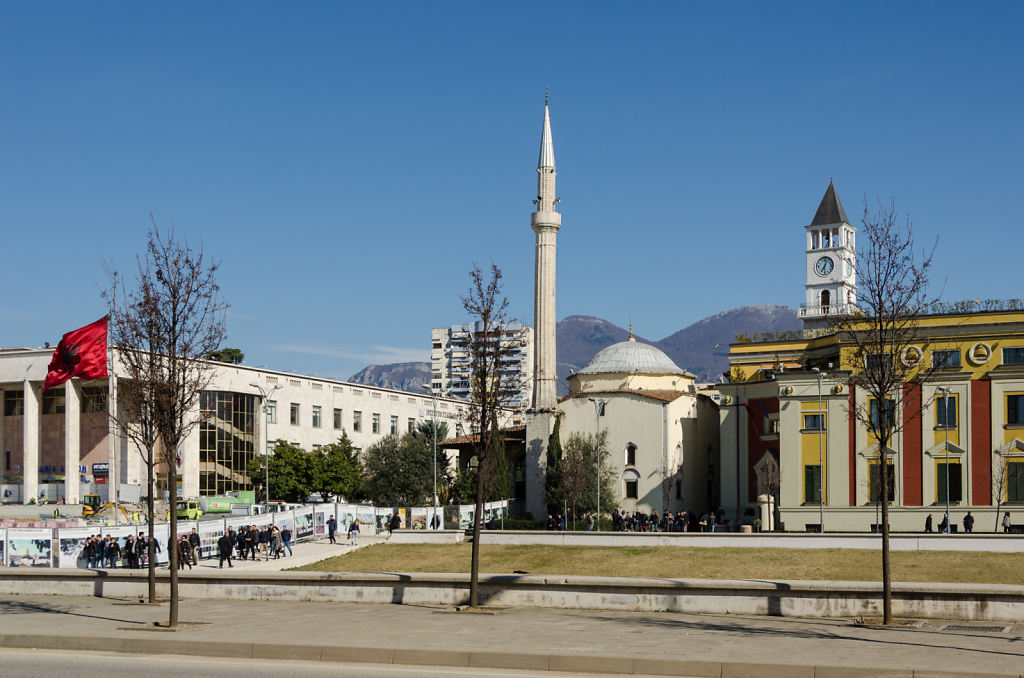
676	562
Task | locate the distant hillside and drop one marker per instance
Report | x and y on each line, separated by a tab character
694	349
402	376
580	337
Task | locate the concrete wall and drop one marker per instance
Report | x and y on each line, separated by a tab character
781	598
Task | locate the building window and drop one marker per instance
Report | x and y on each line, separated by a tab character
1014	481
7	460
875	485
812	484
679	488
394	425
94	399
375	426
271	411
1015	409
227	438
316	416
826	298
1013	356
630	454
412	423
631	482
294	417
877	362
882	417
357	421
945	412
946	360
14	403
53	401
337	418
955	485
814	422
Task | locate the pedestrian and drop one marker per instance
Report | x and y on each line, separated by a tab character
396	523
265	542
968	523
276	543
1006	522
225	547
113	551
387	524
252	540
353	533
197	551
186	554
140	549
928	523
435	521
286	540
551	522
332	525
131	557
944	525
590	522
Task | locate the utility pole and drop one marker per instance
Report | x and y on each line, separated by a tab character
265	395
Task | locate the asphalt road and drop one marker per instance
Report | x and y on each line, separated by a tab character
22	663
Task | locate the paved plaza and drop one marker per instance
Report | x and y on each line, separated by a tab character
568	640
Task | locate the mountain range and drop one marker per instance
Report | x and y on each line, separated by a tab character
700	348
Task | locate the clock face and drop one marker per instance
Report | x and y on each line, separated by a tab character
824	266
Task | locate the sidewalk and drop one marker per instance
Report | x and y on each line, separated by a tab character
540	639
306	552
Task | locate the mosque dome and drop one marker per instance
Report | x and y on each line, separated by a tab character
631	357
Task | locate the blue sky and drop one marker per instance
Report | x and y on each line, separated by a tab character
348	162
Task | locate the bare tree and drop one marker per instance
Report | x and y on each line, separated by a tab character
883	341
173	316
492	389
1000	473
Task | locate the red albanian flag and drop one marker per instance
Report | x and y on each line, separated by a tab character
81	353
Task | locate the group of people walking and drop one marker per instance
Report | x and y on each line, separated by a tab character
968	522
100	551
269	540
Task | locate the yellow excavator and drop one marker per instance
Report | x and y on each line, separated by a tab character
92	506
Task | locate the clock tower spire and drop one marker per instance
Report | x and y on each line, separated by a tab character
831	287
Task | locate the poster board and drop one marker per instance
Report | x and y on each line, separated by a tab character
451	518
303	524
466	516
418	518
160	533
29	547
346	515
285	519
209	532
71	546
365	516
435	511
321	514
3	545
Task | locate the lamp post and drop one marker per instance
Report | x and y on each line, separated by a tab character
433	426
598	411
821	458
945	428
265	395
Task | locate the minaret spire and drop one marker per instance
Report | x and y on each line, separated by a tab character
545	221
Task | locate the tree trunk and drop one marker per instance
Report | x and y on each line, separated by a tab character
151	545
172	497
886	571
474	563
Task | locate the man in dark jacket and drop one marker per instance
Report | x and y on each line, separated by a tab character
332	526
265	542
193	538
396	523
224	547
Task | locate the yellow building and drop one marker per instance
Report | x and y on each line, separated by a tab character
787	430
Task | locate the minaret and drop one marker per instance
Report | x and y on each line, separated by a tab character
545	221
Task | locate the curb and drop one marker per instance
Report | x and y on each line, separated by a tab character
616	665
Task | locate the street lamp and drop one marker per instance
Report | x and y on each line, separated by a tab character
266	449
945	428
598	411
433	427
821	458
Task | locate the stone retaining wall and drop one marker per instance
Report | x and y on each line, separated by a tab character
780	598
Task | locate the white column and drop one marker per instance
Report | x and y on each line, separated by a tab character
72	439
30	443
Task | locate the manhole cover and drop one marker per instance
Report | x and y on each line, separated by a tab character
975	629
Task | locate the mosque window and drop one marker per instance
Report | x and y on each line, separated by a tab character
631	481
630	454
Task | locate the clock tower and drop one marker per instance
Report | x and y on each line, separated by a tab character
831	263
